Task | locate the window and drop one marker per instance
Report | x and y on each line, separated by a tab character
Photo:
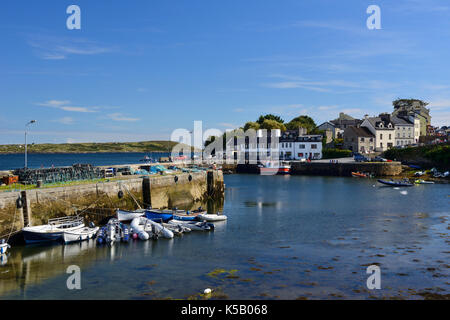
381	136
362	139
314	146
300	155
302	146
390	137
381	144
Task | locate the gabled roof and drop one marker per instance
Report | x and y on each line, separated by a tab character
359	131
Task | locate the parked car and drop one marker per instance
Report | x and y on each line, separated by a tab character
360	158
379	159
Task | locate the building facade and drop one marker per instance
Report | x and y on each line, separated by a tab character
359	140
404	131
383	130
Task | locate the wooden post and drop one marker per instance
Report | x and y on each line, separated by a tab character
210	183
146	192
26	209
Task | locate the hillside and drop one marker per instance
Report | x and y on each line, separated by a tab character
427	156
143	146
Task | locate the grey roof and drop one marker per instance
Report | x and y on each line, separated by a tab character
375	121
400	121
359	131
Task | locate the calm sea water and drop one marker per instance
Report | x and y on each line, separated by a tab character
286	237
37	160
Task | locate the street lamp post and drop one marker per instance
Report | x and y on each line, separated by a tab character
26	126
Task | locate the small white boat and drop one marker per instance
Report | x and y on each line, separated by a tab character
195	225
53	231
124	215
142	224
212	217
4	247
82	234
113	231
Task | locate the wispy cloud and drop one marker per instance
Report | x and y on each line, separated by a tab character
59	48
65	120
120	117
66	106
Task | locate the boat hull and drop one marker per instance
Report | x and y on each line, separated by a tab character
3	248
395	184
123	215
212	217
37	237
82	235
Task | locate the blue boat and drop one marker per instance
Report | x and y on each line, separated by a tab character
158	215
396	183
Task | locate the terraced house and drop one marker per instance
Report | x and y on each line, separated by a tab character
383	129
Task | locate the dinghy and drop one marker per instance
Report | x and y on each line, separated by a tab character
4	246
194	225
189	215
395	183
124	215
421	181
53	231
160	214
82	234
212	217
176	228
359	175
142	224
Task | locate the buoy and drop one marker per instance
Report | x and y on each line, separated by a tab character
120	194
207	291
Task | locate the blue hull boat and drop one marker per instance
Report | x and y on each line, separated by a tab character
395	183
159	215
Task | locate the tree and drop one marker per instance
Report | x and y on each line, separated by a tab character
272	124
302	122
269	117
251	125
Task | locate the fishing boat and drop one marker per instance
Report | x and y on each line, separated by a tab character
143	225
53	231
212	217
195	225
125	215
359	175
421	181
395	183
272	168
4	246
113	231
82	234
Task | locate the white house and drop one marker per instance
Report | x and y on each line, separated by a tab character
297	146
404	131
383	130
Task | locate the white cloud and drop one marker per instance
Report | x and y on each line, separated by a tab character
59	48
65	120
120	117
65	105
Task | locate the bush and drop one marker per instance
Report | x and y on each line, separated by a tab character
336	153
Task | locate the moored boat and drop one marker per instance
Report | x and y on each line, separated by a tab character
82	234
195	225
421	181
125	215
4	246
53	231
144	225
272	168
395	183
359	175
212	217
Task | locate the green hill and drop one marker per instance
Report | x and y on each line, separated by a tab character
143	146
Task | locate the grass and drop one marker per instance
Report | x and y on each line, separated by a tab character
143	146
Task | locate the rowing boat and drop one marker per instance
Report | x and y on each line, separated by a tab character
82	234
212	217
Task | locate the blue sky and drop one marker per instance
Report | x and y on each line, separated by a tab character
139	69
